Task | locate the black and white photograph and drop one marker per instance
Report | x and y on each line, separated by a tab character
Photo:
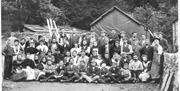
89	45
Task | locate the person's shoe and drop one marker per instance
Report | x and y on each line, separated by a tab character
119	81
152	81
84	81
112	82
7	78
137	80
62	81
78	80
134	81
43	80
51	80
96	82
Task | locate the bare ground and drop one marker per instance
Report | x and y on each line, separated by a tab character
56	86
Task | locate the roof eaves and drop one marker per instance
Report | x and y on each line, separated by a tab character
100	17
110	10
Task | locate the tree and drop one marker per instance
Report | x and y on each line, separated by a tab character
157	20
20	12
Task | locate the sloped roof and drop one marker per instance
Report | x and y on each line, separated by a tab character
38	28
112	9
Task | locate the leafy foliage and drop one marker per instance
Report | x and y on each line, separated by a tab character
157	21
158	15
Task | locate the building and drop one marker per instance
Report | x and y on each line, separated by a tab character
175	34
116	19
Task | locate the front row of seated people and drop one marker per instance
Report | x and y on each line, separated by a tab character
123	69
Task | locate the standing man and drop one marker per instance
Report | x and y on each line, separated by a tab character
105	49
113	37
122	37
8	52
101	40
126	48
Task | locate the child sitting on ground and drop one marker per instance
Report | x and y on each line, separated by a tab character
93	73
114	73
99	60
49	56
144	76
70	74
49	70
82	71
41	64
116	58
136	68
125	73
17	64
58	72
103	73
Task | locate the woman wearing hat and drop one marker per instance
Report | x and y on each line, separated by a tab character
155	67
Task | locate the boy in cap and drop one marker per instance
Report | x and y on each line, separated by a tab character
49	71
103	73
71	73
114	73
58	72
92	73
82	71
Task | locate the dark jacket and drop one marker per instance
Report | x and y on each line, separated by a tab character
102	51
103	71
82	68
93	70
107	61
147	51
59	48
28	62
31	50
116	49
114	70
8	51
164	43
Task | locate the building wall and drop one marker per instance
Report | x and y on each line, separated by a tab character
175	36
118	21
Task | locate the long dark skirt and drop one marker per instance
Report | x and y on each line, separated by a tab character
8	66
155	67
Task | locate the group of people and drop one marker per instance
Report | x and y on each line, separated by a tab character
88	58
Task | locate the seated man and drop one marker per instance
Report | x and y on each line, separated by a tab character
136	68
